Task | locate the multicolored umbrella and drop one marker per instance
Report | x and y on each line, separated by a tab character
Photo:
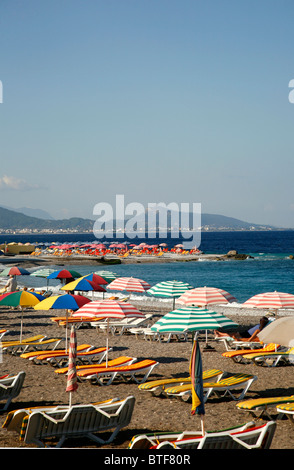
83	284
274	300
196	375
129	284
204	296
173	289
109	309
72	384
20	299
96	278
64	274
15	271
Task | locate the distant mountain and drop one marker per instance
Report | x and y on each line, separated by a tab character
39	213
14	220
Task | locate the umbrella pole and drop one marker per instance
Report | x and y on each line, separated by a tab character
21	322
202	424
107	342
66	323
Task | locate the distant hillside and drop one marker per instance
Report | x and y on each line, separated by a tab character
39	213
13	220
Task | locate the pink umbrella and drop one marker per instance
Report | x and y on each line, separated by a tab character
129	284
109	309
72	384
272	300
206	296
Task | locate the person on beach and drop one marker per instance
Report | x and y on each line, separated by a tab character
11	284
250	335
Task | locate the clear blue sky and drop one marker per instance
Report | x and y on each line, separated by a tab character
159	100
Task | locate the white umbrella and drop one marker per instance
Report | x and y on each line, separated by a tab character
280	331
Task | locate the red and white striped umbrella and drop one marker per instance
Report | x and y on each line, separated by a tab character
109	309
129	284
72	384
204	296
272	300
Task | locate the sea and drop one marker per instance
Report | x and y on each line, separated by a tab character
268	267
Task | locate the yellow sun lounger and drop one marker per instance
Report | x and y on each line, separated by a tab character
77	421
90	368
288	410
238	355
271	359
30	339
42	357
223	387
157	387
39	346
106	375
258	407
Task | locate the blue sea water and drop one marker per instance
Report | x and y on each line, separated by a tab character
269	269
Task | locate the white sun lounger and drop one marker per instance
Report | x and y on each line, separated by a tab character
10	388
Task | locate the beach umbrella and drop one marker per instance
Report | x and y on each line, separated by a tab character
109	309
14	271
107	275
64	274
196	374
272	300
173	289
192	318
72	384
98	279
20	299
63	302
280	331
129	284
83	284
204	296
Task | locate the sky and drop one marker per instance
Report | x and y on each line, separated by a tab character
184	101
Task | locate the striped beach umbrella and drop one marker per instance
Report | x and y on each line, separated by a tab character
192	319
109	309
170	289
43	272
72	384
272	300
204	296
129	284
107	275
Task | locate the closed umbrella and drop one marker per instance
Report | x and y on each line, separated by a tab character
72	384
196	374
21	299
129	284
204	296
109	309
192	319
171	289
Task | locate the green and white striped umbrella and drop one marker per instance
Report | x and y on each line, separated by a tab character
192	319
43	272
173	289
107	275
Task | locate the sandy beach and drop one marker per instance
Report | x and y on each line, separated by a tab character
44	387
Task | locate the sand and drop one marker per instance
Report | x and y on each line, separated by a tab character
43	386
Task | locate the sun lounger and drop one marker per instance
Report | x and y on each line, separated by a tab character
10	388
245	436
106	375
42	357
157	387
287	410
77	421
30	339
83	357
239	355
223	387
271	359
119	361
3	332
21	347
259	407
120	328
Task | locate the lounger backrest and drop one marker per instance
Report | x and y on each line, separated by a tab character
11	386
